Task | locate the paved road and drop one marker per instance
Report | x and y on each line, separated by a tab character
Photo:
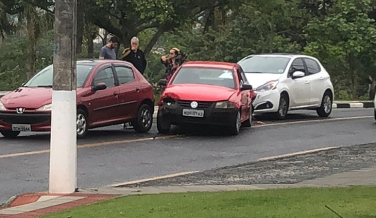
112	155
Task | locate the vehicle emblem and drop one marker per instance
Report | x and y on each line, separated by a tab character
20	110
194	104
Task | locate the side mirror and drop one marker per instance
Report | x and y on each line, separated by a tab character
99	86
246	87
162	82
297	74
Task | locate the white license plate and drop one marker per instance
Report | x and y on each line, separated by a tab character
193	113
21	127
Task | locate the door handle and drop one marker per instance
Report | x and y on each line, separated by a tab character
307	82
137	89
322	78
116	93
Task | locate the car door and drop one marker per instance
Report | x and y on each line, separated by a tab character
245	95
300	88
105	103
128	90
317	80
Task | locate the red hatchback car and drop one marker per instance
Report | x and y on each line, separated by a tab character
202	92
109	92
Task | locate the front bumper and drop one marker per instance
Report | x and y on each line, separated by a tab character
37	121
266	102
212	115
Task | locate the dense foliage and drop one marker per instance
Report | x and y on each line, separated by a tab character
341	33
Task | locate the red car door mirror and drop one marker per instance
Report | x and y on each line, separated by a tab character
99	86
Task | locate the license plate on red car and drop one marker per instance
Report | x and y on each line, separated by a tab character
21	127
193	113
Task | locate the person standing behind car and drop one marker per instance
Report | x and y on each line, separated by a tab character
135	56
175	59
108	51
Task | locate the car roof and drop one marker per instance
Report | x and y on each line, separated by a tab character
211	64
289	55
99	61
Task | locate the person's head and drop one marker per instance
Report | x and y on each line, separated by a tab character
174	52
114	42
135	42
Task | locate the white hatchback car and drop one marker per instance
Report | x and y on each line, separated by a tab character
286	82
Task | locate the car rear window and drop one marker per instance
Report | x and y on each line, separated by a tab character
205	76
45	77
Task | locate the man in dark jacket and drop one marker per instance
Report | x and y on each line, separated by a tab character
135	55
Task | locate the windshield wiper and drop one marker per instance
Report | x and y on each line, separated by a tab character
45	86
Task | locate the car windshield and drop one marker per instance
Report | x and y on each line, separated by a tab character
264	64
45	77
205	76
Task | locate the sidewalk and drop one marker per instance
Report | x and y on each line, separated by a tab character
37	204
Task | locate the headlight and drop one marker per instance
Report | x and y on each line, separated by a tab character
168	101
271	85
2	107
224	104
47	107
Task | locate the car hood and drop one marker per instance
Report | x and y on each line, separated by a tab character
258	79
199	92
31	98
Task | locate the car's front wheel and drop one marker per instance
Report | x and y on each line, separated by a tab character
163	124
82	126
144	119
235	124
326	105
283	107
10	134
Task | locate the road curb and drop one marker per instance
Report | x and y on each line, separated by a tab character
354	105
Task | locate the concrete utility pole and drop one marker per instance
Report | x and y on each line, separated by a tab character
63	155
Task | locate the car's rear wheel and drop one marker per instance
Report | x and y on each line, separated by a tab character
10	134
248	123
283	107
235	124
163	124
326	105
144	120
82	125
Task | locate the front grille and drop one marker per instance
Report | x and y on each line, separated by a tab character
24	118
201	104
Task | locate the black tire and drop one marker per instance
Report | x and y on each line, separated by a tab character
10	134
163	125
375	114
326	105
248	123
81	124
144	120
234	128
283	107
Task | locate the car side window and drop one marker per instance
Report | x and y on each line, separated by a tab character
297	65
124	74
312	66
105	76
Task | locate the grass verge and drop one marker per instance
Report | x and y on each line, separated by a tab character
355	202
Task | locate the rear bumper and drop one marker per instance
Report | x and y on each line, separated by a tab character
212	116
38	122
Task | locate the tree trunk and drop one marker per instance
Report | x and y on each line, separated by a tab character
80	24
372	88
90	45
154	40
32	42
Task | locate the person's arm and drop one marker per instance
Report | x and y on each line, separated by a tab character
125	54
144	62
102	54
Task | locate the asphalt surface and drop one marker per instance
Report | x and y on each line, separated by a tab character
113	155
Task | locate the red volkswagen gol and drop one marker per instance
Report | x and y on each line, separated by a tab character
206	93
108	92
